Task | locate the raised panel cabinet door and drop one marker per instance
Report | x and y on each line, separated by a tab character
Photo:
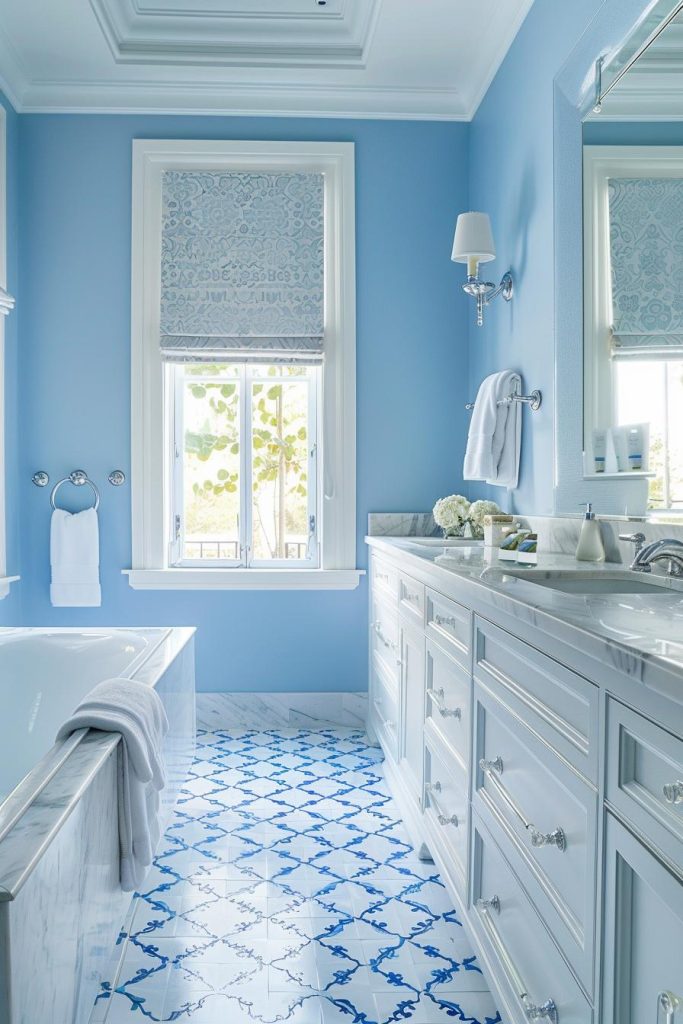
412	644
643	946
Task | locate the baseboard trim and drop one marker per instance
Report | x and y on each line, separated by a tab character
281	710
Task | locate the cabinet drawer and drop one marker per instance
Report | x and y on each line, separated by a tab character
385	711
645	777
446	803
411	598
547	816
384	578
527	965
449	700
384	635
450	624
558	705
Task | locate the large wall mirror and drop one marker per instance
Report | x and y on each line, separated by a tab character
633	266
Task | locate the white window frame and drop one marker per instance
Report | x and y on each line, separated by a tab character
247	378
151	387
600	163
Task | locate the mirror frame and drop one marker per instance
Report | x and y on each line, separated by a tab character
615	24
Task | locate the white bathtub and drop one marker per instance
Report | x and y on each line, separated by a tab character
61	905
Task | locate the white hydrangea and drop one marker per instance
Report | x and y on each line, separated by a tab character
451	513
479	509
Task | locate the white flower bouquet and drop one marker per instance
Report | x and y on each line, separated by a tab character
458	518
451	514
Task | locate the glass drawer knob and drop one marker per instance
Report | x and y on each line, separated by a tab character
673	792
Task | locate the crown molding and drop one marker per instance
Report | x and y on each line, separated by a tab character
13	79
499	57
131	97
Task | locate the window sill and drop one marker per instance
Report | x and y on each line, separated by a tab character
244	579
5	582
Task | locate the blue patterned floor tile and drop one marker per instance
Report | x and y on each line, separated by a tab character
286	890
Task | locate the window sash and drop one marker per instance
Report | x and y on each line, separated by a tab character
245	382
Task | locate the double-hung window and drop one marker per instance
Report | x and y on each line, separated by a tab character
243	341
633	350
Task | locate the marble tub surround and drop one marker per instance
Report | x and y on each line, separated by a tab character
281	710
286	889
61	904
638	635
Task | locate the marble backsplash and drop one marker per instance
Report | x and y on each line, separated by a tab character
559	534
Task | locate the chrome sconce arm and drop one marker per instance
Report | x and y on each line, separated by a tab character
485	292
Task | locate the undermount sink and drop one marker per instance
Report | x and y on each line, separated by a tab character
569	582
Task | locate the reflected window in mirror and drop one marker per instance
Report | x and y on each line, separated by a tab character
633	337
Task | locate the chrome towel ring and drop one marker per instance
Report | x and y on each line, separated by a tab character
77	477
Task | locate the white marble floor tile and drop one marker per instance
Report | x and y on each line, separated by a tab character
286	890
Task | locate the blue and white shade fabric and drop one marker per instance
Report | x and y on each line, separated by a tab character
242	266
646	248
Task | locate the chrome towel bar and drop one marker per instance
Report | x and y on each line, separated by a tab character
533	400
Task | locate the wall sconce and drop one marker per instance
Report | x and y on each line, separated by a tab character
473	244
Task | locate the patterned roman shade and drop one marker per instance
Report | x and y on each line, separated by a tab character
242	266
646	246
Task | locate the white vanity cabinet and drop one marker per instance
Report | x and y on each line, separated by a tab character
550	796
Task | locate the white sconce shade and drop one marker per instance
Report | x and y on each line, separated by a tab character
473	239
473	244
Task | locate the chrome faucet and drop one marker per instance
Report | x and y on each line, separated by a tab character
667	550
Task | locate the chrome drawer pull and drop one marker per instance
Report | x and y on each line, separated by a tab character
382	638
445	620
668	1003
443	819
491	766
437	698
556	838
546	1010
492	904
673	792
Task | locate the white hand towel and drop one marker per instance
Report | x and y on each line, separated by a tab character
494	433
75	559
136	712
507	471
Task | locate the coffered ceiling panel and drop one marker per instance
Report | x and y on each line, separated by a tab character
340	58
249	32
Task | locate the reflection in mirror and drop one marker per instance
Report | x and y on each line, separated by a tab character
633	267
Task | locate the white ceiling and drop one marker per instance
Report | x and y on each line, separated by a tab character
365	58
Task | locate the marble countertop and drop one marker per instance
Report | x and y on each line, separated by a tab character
647	627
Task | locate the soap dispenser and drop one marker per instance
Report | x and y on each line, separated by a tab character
590	547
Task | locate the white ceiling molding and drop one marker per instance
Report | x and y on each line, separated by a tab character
294	32
350	58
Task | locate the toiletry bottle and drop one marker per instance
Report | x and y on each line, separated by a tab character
590	547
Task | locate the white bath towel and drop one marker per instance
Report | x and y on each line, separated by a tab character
493	442
75	559
136	712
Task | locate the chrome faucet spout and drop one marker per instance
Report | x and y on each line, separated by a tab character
666	550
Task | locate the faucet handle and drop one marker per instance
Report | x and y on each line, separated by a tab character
638	539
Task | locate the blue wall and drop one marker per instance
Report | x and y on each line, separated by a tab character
75	361
511	176
11	606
